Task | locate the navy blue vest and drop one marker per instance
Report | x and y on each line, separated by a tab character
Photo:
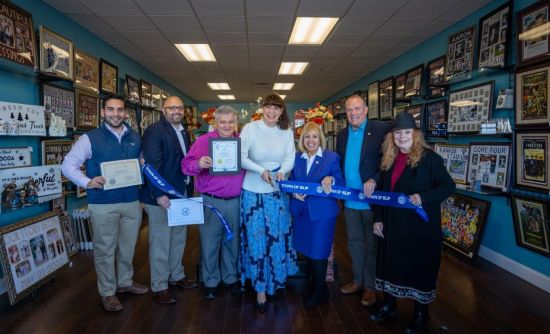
105	147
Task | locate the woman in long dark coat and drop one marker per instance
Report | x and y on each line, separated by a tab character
409	247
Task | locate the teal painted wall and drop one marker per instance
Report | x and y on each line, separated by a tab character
499	231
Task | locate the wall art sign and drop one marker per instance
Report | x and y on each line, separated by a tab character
470	106
531	224
460	54
108	77
490	164
87	106
13	157
386	98
373	101
532	92
437	115
493	37
131	118
436	77
146	119
17	40
400	86
146	90
86	71
54	151
23	119
413	84
156	96
31	252
59	101
532	160
133	89
56	54
456	159
417	111
533	34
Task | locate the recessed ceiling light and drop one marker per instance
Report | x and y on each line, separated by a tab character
283	86
226	97
196	52
282	96
219	85
292	68
311	30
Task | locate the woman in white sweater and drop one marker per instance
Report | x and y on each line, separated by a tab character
267	155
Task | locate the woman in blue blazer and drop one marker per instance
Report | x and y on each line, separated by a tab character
315	217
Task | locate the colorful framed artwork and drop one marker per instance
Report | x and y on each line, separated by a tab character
490	164
456	159
533	34
108	77
386	98
400	86
494	35
56	54
133	89
417	111
532	92
462	221
17	39
31	252
532	160
460	54
60	101
413	84
373	104
436	113
86	71
469	107
531	224
146	90
436	77
54	151
87	107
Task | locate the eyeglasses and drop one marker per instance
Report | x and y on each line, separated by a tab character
174	108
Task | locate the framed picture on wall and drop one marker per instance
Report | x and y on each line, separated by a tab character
87	107
400	86
337	108
132	118
60	101
531	224
133	89
436	77
470	106
494	34
413	84
417	111
436	113
56	54
146	90
373	101
68	233
460	54
532	92
17	39
156	95
399	109
386	98
456	159
490	164
54	151
533	35
532	160
462	221
146	119
86	71
108	74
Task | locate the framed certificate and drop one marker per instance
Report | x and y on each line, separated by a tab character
226	155
185	211
121	173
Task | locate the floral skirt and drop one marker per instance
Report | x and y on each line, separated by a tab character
267	256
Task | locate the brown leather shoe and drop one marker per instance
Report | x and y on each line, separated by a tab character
111	303
184	283
165	297
369	298
135	288
350	288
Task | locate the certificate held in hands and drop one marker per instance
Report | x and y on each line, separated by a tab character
121	173
184	211
226	156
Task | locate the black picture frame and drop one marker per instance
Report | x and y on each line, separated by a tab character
532	96
532	160
417	110
19	41
108	77
466	103
437	86
133	89
399	90
436	116
533	49
60	101
490	164
217	144
531	224
373	103
146	92
385	98
413	84
460	54
56	54
494	37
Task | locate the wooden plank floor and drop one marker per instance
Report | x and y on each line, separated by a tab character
472	298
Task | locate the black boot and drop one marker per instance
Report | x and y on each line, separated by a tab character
387	311
308	287
320	291
420	319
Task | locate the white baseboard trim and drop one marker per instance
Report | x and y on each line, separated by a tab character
532	276
3	288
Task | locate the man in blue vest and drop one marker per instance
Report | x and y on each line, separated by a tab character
115	214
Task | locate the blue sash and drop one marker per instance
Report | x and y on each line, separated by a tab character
159	182
383	198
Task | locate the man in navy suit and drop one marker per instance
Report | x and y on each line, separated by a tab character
165	143
359	147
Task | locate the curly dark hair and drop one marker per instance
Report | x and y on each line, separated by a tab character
273	99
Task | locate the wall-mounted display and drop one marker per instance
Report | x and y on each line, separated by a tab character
146	90
59	101
533	35
531	224
13	157
386	98
337	108
86	71
54	151
56	54
146	119
23	119
436	113
132	118
436	77
413	84
417	111
373	101
156	115
68	232
462	221
456	159
494	31
108	77
490	164
156	97
532	92
532	160
87	106
460	54
470	106
17	41
132	87
31	252
400	86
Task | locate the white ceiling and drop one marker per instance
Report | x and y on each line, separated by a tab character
248	38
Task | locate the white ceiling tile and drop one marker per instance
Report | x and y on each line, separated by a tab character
415	9
357	26
130	23
292	51
270	24
402	26
223	23
215	7
176	23
266	49
437	25
326	8
270	7
109	7
279	38
463	9
227	38
110	36
187	37
89	21
145	37
68	6
165	7
346	39
235	66
375	9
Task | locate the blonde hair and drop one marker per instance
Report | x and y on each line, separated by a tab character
307	128
389	150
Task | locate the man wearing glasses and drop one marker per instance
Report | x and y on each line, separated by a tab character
115	214
165	143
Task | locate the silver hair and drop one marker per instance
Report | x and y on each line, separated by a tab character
224	110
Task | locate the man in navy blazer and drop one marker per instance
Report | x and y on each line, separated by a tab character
359	147
164	145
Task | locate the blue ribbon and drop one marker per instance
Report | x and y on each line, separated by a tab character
383	198
159	182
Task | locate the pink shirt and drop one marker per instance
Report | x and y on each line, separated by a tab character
219	185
